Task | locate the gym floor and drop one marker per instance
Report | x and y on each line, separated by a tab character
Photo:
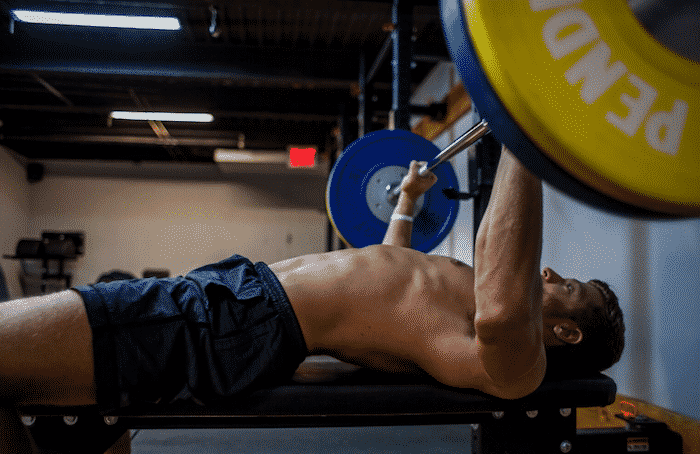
375	440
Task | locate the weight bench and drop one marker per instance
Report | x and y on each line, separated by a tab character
328	393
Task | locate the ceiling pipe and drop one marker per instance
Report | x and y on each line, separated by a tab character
128	140
218	114
52	90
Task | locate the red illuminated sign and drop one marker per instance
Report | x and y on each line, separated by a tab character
302	157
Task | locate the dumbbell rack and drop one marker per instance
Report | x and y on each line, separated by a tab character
53	247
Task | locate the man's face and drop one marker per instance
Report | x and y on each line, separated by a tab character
562	297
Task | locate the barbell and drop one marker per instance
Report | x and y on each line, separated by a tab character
578	90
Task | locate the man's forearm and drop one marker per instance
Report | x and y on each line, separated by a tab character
399	231
412	186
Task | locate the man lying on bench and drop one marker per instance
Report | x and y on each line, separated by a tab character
235	326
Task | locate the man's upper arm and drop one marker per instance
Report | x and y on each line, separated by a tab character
507	285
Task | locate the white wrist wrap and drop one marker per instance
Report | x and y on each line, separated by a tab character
401	217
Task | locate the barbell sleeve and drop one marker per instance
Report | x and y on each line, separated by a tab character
463	142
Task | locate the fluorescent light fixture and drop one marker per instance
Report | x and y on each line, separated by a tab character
162	116
233	156
97	20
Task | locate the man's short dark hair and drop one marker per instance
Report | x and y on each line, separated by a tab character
603	331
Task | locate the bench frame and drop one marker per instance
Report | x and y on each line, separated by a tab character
327	393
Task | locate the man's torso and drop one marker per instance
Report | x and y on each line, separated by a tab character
383	307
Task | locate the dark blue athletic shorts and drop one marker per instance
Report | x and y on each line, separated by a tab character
221	330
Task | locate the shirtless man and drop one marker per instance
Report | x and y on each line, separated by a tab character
385	306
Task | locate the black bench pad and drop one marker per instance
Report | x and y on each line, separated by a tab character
327	392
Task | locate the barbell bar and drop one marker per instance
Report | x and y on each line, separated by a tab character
463	142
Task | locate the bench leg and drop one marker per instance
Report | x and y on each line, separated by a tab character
543	431
59	434
14	436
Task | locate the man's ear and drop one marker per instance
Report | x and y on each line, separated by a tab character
568	332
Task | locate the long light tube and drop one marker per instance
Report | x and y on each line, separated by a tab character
233	156
162	116
98	20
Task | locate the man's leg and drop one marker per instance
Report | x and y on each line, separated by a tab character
45	359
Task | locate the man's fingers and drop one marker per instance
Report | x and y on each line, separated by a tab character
416	166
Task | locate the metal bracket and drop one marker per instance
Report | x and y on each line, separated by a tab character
642	422
453	194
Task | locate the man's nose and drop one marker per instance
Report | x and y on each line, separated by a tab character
550	276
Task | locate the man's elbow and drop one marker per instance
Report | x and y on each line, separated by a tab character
510	347
523	380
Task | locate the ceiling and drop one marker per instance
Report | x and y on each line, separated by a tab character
274	73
